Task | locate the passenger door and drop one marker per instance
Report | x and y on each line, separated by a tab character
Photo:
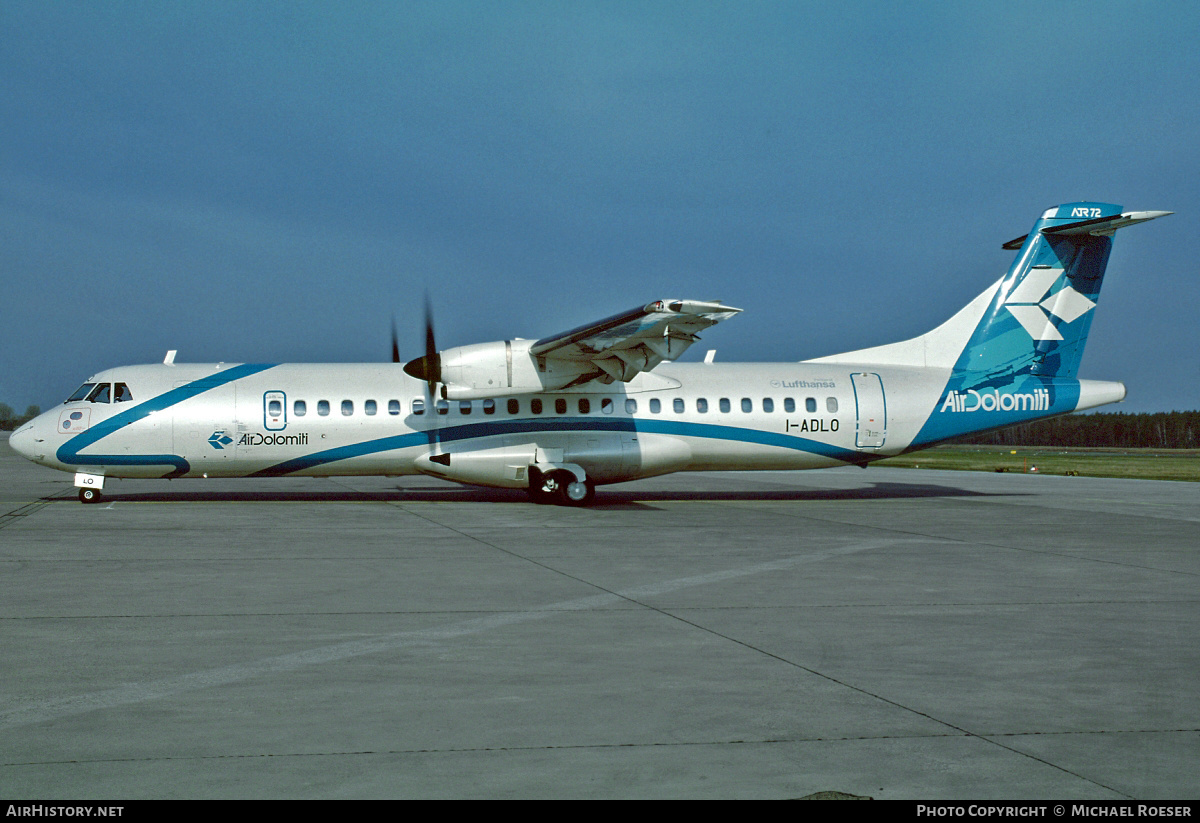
871	409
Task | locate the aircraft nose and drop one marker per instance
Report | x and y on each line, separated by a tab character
25	442
21	440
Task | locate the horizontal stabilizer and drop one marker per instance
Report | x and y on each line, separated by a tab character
1097	227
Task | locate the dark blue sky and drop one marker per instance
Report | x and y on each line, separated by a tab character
273	181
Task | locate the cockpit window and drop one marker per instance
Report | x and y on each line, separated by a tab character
80	393
121	393
101	394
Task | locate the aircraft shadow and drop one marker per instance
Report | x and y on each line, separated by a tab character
876	491
606	498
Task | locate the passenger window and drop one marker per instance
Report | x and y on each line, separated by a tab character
101	393
347	408
122	393
370	407
677	404
789	405
442	407
514	406
535	406
393	407
724	404
702	405
299	408
655	405
831	405
810	404
747	406
489	406
464	406
275	408
323	407
630	406
560	405
585	406
606	405
418	407
768	404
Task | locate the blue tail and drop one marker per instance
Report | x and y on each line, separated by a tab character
1039	320
1021	360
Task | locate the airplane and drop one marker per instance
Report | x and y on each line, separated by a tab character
606	402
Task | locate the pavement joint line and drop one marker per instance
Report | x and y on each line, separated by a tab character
633	606
30	508
962	541
915	711
766	741
486	749
47	710
784	660
832	515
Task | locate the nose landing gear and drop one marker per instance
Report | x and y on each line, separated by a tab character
89	486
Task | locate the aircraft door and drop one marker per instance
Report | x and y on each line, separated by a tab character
274	411
872	410
631	453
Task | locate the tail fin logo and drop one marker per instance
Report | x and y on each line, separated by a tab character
1033	306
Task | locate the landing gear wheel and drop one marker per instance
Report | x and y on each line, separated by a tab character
561	487
89	495
579	494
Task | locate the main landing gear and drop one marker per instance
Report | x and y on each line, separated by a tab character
560	487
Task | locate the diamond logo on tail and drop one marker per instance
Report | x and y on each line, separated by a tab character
1032	304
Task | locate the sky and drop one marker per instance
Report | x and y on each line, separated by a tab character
275	182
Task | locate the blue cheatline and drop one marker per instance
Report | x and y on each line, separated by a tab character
68	453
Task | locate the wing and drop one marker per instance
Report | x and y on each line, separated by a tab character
635	341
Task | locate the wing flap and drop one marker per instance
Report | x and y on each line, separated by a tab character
622	346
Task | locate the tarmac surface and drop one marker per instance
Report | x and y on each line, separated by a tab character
888	633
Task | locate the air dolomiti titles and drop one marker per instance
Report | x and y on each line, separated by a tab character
972	400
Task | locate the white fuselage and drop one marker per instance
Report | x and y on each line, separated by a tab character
372	419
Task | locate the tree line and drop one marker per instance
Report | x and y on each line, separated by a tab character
9	419
1158	430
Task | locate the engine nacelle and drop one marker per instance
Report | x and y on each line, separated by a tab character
504	367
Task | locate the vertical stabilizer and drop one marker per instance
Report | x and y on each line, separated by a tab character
1021	360
1040	317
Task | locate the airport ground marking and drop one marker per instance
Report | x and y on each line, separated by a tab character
14	716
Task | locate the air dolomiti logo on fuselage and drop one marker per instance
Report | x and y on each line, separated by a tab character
259	439
971	400
219	440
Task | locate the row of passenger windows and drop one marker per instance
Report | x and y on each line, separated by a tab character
560	406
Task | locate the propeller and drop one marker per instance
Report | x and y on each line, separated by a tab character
429	366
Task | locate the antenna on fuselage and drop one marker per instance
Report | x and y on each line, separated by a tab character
169	360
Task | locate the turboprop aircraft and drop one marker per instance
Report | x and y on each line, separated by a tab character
605	402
